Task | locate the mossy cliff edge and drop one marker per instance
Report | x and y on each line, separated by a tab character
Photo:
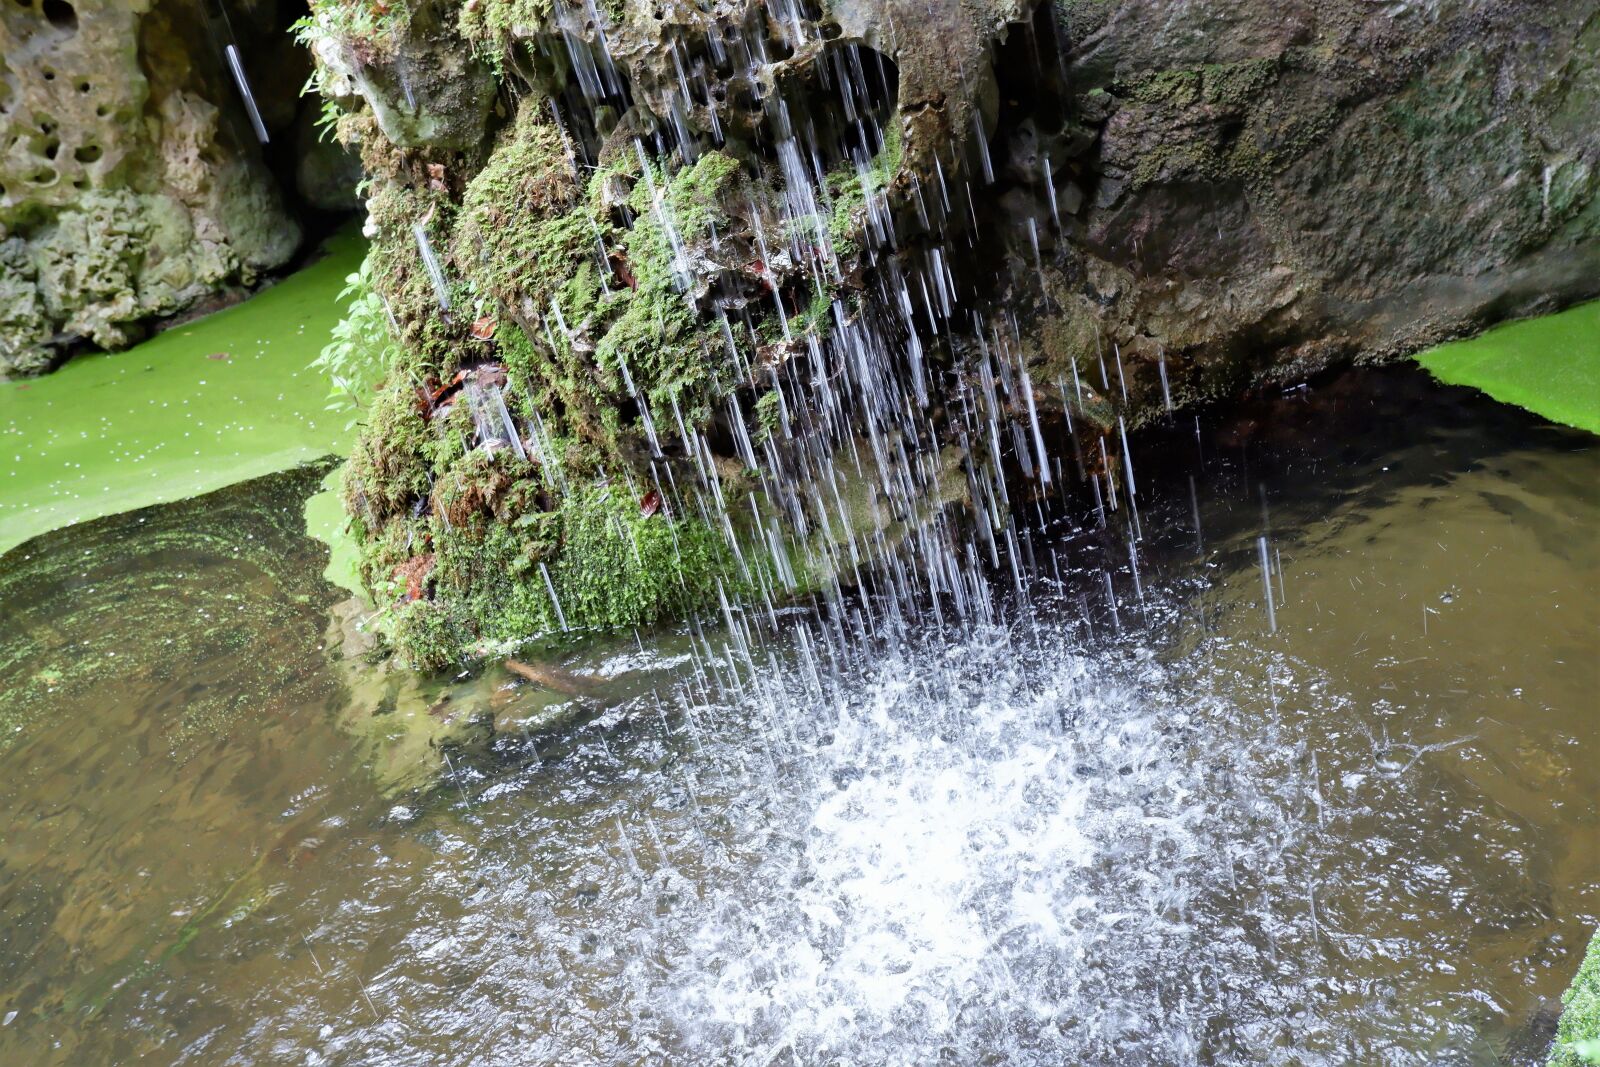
590	322
629	254
1578	1034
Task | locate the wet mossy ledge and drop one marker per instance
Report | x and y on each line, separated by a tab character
646	270
504	486
1578	1033
588	336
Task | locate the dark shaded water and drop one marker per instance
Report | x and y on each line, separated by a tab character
1160	834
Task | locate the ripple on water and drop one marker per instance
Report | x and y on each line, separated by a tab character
1366	838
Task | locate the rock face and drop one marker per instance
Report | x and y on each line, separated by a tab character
1254	189
131	183
682	254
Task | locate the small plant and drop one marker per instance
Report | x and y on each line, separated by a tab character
354	22
330	112
362	348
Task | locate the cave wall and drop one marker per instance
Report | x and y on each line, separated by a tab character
131	182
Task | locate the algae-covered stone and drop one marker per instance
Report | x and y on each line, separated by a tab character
589	294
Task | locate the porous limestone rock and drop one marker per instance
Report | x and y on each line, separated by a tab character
131	183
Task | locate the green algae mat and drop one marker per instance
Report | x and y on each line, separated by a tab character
327	522
1549	365
204	405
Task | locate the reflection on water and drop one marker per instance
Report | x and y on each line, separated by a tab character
1155	834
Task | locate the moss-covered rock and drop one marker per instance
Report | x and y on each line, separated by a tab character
587	367
1578	1034
683	238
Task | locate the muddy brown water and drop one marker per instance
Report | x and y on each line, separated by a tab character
1172	836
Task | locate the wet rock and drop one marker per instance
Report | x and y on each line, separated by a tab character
423	83
326	172
131	185
680	222
1279	192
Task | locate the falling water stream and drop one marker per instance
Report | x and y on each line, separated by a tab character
1128	822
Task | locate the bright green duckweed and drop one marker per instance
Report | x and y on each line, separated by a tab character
170	419
1549	365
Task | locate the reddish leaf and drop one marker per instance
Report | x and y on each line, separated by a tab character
619	263
445	389
414	572
759	269
650	504
483	329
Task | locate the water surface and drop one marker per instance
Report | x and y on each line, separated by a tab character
1144	828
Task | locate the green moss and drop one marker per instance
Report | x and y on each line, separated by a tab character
597	290
429	636
769	414
530	239
1549	365
389	465
492	26
612	568
813	318
619	568
672	355
433	342
519	233
1226	85
849	190
1578	1035
849	204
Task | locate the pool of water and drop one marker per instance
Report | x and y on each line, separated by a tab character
1139	819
